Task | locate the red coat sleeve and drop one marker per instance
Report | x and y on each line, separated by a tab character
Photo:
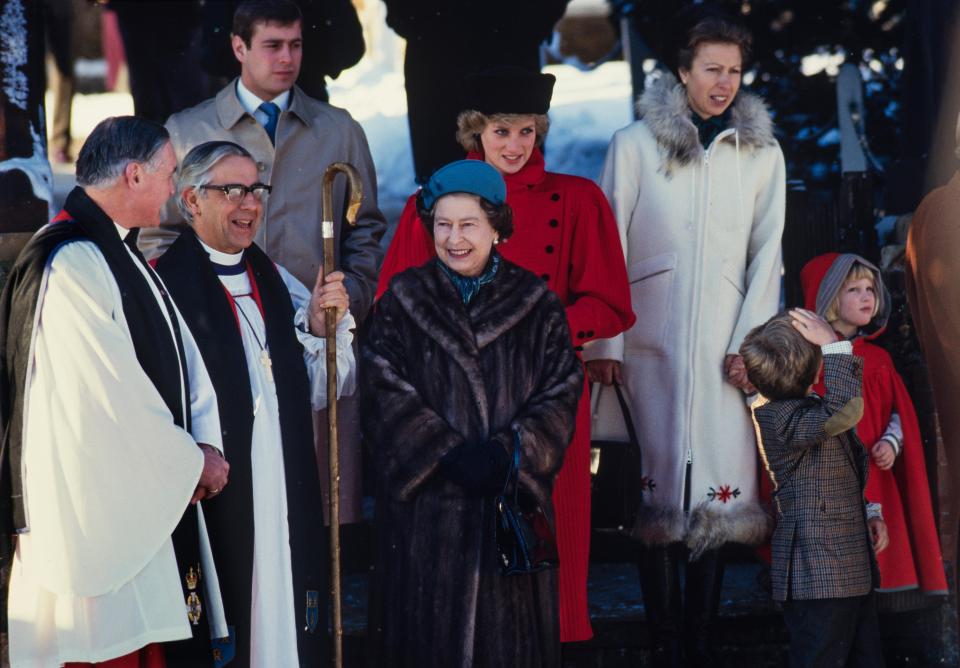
911	473
411	246
599	294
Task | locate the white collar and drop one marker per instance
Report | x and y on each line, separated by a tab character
121	230
219	257
251	102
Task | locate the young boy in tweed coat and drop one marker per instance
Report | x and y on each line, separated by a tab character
824	570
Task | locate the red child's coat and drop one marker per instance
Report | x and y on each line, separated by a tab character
913	559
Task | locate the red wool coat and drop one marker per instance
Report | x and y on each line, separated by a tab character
565	232
912	560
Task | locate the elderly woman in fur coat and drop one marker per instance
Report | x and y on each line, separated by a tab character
698	189
566	234
468	357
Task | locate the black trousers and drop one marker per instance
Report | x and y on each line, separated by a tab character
834	632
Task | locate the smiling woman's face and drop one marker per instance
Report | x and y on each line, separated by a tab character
508	145
462	233
713	78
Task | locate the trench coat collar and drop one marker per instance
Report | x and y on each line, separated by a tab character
230	111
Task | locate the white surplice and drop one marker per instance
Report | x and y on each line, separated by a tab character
107	476
273	618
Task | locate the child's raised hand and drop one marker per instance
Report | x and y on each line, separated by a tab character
814	329
883	454
736	373
878	534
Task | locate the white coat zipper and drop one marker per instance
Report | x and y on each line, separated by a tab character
702	213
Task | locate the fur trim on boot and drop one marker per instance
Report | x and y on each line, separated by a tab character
708	529
704	529
659	526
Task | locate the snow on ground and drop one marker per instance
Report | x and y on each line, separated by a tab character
587	108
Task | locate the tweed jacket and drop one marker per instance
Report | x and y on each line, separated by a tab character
310	136
821	546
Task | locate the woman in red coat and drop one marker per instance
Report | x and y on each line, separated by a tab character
847	290
565	233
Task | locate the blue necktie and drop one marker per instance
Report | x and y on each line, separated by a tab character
273	115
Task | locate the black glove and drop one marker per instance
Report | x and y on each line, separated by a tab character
480	468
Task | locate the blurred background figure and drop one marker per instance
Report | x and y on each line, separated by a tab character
449	39
162	45
59	21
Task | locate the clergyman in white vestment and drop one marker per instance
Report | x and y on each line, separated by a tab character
108	467
234	296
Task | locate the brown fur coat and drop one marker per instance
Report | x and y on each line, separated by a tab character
439	374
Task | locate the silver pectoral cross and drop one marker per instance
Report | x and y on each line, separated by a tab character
267	364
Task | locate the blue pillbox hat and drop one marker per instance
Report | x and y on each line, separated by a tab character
465	176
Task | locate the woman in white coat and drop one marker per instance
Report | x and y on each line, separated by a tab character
698	189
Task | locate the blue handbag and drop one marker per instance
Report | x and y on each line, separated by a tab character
525	539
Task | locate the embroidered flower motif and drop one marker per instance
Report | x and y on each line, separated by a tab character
647	484
724	494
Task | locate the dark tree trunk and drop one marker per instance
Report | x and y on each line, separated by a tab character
26	183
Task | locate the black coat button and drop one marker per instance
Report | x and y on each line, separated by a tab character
549	249
581	335
589	332
545	277
555	197
554	222
579	349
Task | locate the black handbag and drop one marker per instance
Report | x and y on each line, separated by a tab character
616	478
525	540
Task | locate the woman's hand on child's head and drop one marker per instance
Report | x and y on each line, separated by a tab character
878	534
883	454
814	329
736	373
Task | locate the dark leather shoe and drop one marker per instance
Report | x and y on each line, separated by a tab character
660	586
701	604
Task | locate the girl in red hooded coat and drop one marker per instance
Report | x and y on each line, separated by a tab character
848	292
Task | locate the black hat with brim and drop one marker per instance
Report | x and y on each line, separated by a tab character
508	90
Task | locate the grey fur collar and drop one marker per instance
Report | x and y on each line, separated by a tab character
663	107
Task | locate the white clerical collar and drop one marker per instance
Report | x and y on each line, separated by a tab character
219	257
251	102
121	230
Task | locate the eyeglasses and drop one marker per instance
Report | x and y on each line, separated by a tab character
235	192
